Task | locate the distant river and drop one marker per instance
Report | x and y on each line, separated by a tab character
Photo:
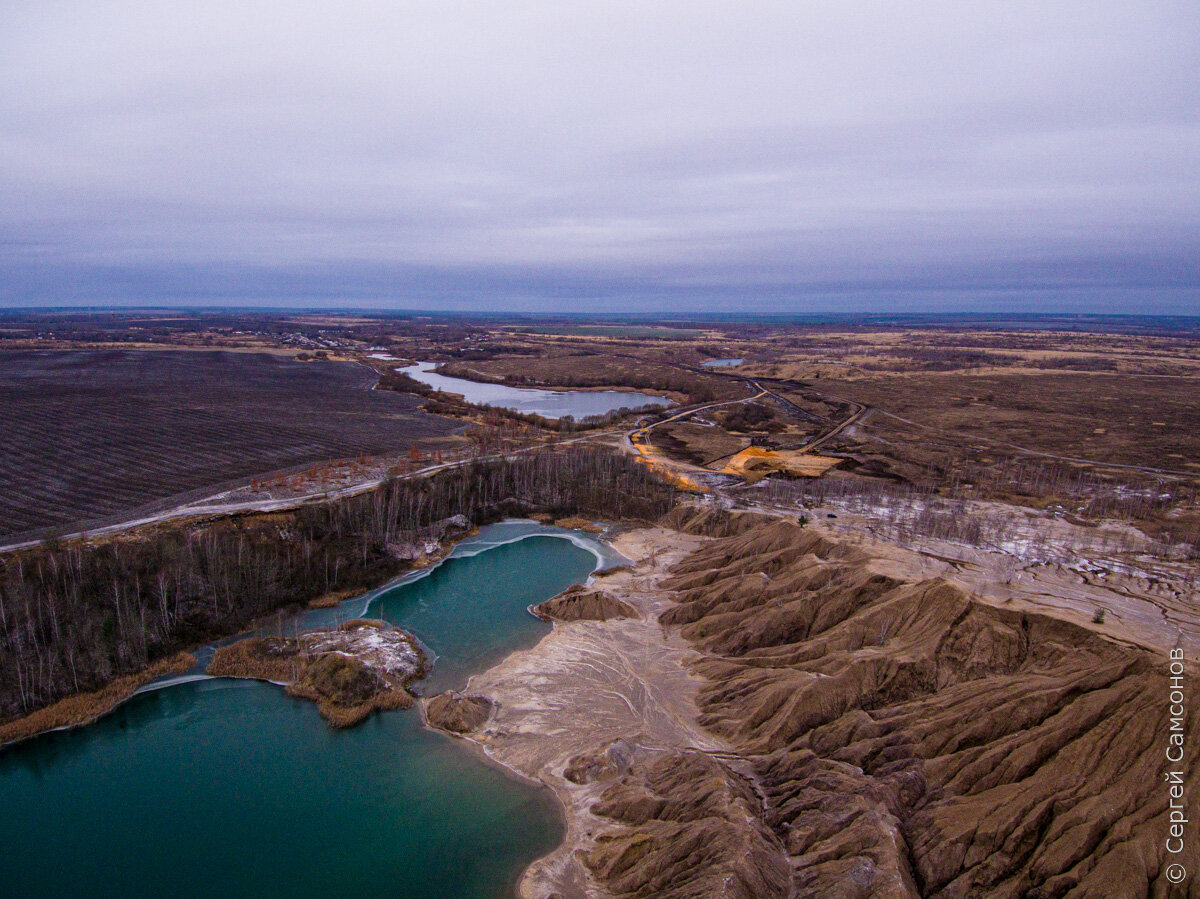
232	788
548	403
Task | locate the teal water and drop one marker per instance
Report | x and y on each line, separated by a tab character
488	614
232	788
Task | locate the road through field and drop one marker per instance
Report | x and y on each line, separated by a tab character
638	441
202	510
91	438
1032	452
859	410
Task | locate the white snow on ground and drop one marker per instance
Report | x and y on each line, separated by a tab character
392	652
1027	538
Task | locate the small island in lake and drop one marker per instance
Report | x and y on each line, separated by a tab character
350	671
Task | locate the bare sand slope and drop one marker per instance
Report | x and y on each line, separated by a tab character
792	715
1051	565
618	688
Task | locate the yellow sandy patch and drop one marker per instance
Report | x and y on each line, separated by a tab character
755	463
649	456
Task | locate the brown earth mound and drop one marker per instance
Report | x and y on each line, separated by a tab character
361	667
586	605
754	463
905	738
458	713
711	522
693	831
607	763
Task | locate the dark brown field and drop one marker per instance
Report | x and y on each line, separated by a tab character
87	436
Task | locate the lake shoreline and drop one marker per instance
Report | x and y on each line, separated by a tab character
555	701
497	761
537	399
505	568
673	395
76	710
85	708
81	709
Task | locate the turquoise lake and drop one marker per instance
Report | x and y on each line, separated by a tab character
219	787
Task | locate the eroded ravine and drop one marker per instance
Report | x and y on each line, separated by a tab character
786	716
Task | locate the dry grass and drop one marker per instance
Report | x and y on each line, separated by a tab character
696	443
84	708
861	353
327	680
579	524
1119	419
348	716
331	599
250	659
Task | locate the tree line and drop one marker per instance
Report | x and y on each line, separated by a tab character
75	616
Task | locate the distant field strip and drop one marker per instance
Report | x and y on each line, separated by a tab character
88	435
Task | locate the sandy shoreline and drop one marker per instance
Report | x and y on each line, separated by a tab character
608	695
597	693
588	686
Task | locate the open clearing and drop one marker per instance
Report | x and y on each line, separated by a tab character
90	435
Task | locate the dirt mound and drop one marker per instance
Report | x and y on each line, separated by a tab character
607	763
458	713
754	463
361	667
693	832
583	605
906	739
710	522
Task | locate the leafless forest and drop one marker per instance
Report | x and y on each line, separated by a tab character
74	617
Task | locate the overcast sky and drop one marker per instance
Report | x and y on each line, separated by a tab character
568	156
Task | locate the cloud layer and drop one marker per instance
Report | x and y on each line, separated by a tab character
602	155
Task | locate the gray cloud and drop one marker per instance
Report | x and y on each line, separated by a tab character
471	153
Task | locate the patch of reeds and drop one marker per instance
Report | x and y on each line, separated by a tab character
84	708
247	659
576	523
332	598
349	715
